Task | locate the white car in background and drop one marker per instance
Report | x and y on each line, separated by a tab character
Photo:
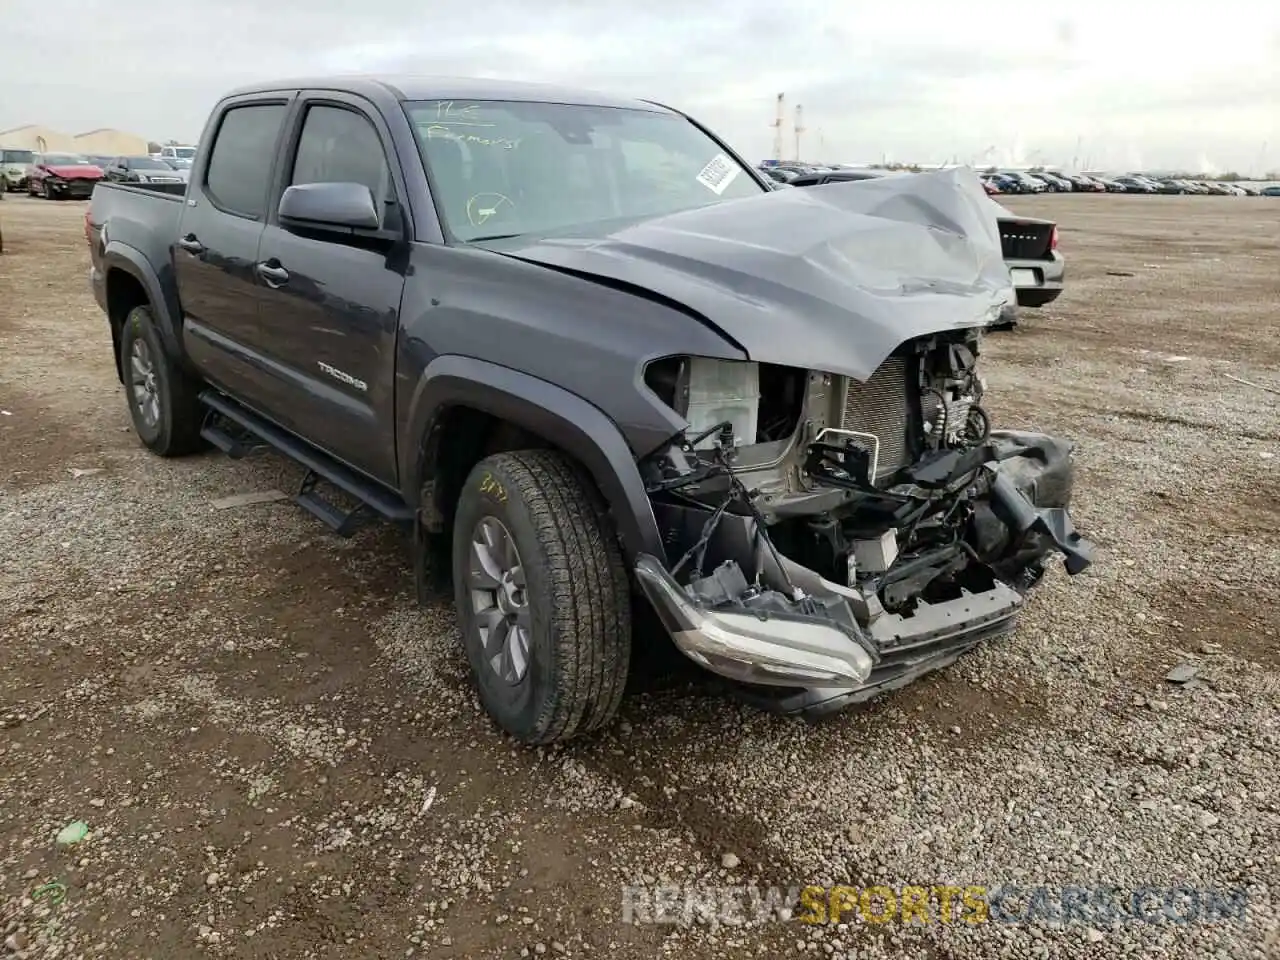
177	156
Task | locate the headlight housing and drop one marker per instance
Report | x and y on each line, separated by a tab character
761	401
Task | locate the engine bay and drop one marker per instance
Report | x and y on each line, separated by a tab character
802	493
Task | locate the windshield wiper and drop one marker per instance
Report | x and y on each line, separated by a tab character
495	236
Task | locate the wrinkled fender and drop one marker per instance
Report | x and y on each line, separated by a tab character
121	256
577	427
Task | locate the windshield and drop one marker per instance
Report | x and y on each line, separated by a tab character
15	156
145	163
504	167
184	153
64	160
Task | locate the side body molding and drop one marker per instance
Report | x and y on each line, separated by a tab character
565	419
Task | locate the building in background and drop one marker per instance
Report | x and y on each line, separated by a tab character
35	137
101	142
105	142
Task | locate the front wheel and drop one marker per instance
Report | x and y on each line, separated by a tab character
48	191
542	596
163	399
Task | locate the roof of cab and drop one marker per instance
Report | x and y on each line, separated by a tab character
376	86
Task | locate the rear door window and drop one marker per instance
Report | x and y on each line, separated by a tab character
240	164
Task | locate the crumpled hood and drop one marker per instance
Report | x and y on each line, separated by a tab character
830	278
78	171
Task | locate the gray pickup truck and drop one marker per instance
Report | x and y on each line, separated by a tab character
589	360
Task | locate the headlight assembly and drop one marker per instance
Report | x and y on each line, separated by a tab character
708	392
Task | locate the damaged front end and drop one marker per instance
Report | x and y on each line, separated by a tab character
831	538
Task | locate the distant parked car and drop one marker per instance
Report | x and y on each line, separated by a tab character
1218	189
1273	191
1058	184
141	169
1134	185
13	169
779	174
1247	190
1085	184
1023	183
61	176
1111	186
180	153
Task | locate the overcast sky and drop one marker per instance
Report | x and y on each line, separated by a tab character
930	80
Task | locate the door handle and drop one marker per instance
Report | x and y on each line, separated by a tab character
190	244
274	274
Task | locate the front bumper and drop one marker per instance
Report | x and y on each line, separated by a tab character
71	189
839	646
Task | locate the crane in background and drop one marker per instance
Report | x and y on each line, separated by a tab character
777	128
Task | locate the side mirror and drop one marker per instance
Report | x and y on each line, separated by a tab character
347	206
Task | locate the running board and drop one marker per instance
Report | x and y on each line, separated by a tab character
229	437
249	431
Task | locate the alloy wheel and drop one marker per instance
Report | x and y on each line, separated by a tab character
499	600
142	380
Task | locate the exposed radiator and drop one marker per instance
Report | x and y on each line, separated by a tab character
881	406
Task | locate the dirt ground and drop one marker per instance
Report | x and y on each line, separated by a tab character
277	753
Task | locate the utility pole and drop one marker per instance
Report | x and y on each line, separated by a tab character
777	129
799	128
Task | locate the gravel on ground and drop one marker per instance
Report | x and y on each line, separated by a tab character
276	752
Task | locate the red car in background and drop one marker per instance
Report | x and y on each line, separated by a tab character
57	176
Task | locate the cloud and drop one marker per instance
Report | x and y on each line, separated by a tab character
930	80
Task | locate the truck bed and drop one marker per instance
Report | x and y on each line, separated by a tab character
168	191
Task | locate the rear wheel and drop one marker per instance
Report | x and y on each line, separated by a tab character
163	398
542	596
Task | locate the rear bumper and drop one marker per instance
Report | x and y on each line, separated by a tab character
1038	282
98	284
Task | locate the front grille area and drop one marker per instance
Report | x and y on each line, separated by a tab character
882	406
1025	241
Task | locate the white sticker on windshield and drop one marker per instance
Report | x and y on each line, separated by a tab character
718	174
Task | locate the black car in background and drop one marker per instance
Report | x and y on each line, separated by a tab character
780	174
1023	182
141	170
1134	185
1056	182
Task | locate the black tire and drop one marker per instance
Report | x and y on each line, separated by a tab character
172	427
48	190
576	590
